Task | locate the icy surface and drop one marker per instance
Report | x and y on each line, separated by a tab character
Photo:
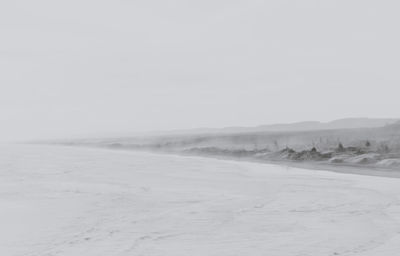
94	202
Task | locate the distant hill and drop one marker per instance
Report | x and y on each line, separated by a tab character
347	123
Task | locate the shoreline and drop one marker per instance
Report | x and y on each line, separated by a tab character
366	170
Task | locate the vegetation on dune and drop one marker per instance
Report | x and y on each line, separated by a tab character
369	146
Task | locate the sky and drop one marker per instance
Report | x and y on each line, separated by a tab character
89	68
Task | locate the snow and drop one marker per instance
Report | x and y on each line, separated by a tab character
80	201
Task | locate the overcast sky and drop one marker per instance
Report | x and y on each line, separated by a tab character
82	67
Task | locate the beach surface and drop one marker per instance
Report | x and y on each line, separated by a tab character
70	201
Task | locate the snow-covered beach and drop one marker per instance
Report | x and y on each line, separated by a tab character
73	201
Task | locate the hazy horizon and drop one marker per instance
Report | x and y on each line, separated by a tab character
101	67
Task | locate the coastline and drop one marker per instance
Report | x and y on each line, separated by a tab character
367	170
345	168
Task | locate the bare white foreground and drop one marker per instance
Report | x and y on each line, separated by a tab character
93	202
